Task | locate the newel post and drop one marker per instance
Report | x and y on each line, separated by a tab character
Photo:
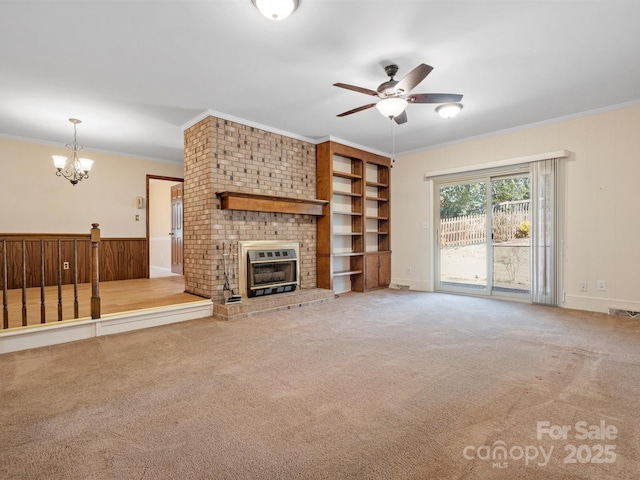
95	283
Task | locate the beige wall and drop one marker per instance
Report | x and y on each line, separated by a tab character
602	203
35	200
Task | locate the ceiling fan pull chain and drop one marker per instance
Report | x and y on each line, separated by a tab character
393	142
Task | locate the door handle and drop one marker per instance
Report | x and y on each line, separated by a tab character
171	233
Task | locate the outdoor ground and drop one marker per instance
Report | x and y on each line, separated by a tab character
468	264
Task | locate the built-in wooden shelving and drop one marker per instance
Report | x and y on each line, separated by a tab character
353	235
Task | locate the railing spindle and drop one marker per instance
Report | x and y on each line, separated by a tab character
5	295
75	279
43	310
59	281
24	283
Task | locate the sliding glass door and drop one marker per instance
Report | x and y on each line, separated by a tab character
483	235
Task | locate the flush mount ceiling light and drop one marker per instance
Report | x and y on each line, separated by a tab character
73	168
391	107
276	9
449	110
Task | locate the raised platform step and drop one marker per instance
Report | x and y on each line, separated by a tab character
249	307
35	336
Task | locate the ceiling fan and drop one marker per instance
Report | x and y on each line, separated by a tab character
394	94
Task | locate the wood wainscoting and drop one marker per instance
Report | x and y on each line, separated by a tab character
120	258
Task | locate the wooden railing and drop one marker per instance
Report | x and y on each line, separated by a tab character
22	252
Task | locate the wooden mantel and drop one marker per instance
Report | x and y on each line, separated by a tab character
269	203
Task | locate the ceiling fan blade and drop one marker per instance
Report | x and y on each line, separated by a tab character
413	78
402	118
355	110
366	91
434	98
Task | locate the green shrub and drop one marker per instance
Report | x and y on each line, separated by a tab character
523	230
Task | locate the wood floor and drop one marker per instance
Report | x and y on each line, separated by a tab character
115	297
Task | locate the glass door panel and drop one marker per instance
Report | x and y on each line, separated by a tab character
510	246
463	229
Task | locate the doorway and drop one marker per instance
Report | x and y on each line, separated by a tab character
483	235
164	225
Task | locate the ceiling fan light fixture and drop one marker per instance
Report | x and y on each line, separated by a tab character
449	110
276	9
391	107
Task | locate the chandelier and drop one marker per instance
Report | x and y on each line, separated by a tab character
73	168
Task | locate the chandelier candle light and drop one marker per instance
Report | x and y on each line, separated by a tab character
73	168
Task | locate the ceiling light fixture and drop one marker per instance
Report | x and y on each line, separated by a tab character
391	107
73	168
276	9
449	110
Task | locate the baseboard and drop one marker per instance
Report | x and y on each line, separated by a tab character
420	286
598	304
35	336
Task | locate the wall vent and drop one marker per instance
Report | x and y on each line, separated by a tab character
624	313
397	286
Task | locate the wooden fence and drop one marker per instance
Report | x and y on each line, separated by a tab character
470	229
466	230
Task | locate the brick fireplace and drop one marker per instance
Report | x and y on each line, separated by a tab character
221	155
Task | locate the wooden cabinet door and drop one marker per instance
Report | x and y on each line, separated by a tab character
377	270
384	270
371	271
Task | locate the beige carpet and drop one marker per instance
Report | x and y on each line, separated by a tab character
383	385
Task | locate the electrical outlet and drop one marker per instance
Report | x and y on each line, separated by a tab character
409	270
602	285
65	265
583	286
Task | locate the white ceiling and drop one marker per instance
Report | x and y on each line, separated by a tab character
136	71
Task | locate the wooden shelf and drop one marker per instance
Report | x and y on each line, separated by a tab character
347	234
347	272
376	184
352	214
269	203
347	194
352	176
348	254
377	199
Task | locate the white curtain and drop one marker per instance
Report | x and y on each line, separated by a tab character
544	235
